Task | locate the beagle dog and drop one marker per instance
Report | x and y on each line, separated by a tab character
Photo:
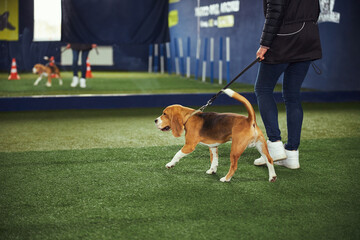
212	129
47	71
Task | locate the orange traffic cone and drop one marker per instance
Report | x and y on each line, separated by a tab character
88	69
52	61
13	72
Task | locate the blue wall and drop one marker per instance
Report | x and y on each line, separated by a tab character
340	41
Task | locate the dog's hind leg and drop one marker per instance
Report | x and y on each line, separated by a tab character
48	83
214	159
59	77
264	151
237	148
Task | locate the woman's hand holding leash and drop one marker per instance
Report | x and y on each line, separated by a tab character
261	52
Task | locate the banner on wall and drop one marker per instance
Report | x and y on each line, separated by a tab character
218	15
9	20
115	22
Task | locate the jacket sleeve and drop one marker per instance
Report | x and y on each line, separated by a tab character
274	15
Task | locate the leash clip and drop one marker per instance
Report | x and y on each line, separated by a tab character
211	100
205	106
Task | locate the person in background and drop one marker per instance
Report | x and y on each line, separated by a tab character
289	42
76	49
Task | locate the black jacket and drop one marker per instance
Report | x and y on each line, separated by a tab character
291	31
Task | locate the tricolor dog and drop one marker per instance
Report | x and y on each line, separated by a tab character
46	71
212	129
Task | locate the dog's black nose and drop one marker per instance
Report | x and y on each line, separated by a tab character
156	120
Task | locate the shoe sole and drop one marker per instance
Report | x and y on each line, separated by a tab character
287	166
274	160
297	167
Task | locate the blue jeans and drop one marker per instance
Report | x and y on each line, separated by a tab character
294	75
75	66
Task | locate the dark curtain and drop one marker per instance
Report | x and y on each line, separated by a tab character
115	21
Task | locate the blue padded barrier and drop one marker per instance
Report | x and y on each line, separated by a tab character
149	100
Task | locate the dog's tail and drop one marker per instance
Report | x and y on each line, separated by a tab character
244	101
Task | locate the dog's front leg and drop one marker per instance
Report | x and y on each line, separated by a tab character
214	158
187	149
37	80
179	155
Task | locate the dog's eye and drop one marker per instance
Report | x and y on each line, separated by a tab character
164	114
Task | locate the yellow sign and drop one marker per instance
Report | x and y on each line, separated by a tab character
226	21
9	20
173	18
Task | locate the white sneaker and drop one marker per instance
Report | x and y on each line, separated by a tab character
75	81
292	160
276	150
82	82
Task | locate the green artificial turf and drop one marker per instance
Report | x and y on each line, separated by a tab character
72	175
118	128
114	83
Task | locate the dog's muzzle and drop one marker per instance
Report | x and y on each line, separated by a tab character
158	123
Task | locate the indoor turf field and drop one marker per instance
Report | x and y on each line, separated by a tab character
100	174
88	163
114	83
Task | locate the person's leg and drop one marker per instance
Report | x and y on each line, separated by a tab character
84	56
294	76
266	80
75	68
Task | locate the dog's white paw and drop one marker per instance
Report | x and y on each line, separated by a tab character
272	178
211	171
224	179
169	165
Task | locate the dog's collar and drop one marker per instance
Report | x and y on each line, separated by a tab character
192	114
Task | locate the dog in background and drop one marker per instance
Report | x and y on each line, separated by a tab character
214	129
49	70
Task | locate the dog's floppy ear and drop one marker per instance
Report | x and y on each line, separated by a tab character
177	124
39	67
